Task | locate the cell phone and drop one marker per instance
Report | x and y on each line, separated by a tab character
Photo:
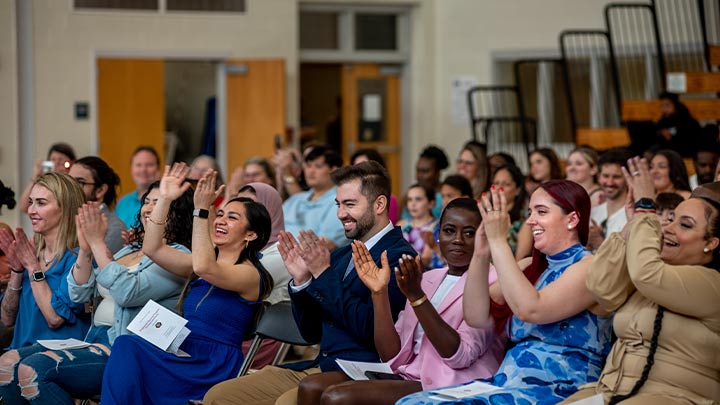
377	375
47	166
278	142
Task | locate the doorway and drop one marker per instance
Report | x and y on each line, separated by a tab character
353	106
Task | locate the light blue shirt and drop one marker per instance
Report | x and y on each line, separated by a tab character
128	207
320	216
131	290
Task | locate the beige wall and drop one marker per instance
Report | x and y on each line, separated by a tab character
67	42
449	38
8	106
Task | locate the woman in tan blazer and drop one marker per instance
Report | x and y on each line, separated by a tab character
664	285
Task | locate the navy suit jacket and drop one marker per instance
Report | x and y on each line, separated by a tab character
339	312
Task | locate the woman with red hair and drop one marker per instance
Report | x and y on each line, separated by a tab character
559	344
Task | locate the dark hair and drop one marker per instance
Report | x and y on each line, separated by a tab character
668	201
615	156
64	148
266	166
437	155
551	156
521	196
373	178
657	326
463	203
459	183
569	196
7	196
680	108
146	148
259	222
179	226
506	157
676	169
371	154
332	158
429	192
481	180
102	174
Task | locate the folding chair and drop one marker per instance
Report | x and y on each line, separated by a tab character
279	324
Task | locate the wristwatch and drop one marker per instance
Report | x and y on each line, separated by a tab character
201	213
645	204
38	275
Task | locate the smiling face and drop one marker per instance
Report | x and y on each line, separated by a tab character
466	165
685	237
612	181
540	170
549	224
660	172
230	228
457	237
578	169
504	179
44	211
84	177
148	205
144	169
354	211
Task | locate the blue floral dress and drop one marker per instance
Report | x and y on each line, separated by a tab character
548	362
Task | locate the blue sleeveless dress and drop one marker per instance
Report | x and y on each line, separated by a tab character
140	373
548	362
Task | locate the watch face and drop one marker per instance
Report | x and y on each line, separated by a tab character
38	276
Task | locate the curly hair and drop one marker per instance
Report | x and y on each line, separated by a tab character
179	226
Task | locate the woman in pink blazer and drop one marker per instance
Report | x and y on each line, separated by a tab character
430	345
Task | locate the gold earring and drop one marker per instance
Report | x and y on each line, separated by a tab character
247	242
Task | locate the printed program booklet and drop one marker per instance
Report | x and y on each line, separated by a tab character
161	327
356	369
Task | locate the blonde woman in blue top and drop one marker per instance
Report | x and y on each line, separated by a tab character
125	282
36	301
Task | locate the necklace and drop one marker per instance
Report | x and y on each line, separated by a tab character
47	262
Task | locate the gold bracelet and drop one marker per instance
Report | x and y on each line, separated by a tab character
163	222
419	301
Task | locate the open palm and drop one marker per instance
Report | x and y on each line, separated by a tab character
375	279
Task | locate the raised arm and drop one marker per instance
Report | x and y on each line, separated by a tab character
83	265
559	300
172	186
476	299
387	340
221	271
444	338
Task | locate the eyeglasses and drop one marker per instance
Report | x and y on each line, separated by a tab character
84	183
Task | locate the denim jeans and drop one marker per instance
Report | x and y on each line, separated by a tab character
61	375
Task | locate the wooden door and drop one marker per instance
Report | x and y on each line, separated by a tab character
371	114
131	112
255	108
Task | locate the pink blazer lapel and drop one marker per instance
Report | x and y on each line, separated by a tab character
455	294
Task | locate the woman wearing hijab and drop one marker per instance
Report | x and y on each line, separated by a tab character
270	198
